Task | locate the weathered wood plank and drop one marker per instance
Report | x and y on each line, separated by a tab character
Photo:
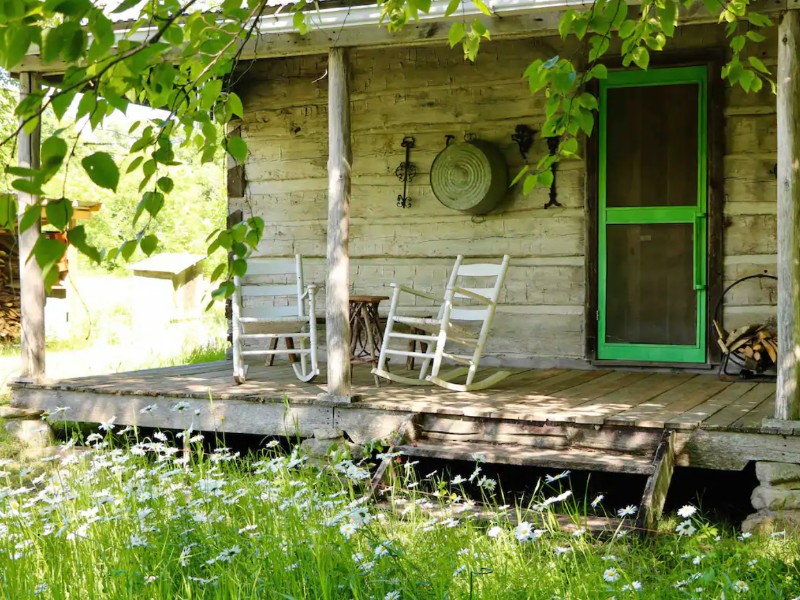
657	486
657	410
740	407
30	274
691	411
787	405
340	160
754	419
625	399
230	416
575	459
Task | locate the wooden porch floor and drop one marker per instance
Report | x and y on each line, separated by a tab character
593	397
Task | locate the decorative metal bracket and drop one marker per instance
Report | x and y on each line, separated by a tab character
406	172
523	136
552	146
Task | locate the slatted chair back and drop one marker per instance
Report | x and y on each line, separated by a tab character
482	279
271	304
280	298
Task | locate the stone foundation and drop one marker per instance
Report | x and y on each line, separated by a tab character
776	499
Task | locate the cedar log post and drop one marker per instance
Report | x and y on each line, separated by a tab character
31	281
337	294
787	399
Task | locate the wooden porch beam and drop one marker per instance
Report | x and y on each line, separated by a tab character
32	297
787	399
337	293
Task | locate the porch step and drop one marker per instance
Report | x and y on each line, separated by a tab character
656	461
577	459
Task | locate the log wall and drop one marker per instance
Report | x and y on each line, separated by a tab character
428	93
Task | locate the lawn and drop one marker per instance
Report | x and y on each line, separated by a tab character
140	518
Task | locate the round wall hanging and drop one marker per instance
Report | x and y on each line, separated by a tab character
470	176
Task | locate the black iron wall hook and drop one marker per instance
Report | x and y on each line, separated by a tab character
523	136
406	172
552	146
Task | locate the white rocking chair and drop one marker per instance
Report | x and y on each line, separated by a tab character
273	312
474	305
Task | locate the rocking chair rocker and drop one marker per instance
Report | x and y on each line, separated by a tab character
274	312
461	304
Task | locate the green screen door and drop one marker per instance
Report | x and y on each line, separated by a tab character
652	216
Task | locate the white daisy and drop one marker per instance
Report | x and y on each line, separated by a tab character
627	511
740	586
687	511
685	528
494	531
610	575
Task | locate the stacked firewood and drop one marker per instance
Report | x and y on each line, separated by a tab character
756	345
9	288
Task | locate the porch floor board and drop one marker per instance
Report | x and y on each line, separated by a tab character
598	397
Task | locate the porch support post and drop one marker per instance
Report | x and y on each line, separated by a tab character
31	281
337	293
787	399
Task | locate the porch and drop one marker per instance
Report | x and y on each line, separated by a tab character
603	415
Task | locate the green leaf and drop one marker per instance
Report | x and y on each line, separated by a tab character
452	6
77	237
235	105
565	23
529	184
456	33
481	6
627	28
126	5
239	267
641	57
102	170
149	244
18	40
758	65
225	290
218	271
569	147
587	100
127	249
165	184
755	36
53	151
522	172
668	14
545	178
237	148
134	164
758	19
28	186
59	213
8	211
210	94
599	72
48	252
52	43
31	215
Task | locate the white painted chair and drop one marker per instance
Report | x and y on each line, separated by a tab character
272	312
461	304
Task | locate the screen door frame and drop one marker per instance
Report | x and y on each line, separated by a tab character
695	215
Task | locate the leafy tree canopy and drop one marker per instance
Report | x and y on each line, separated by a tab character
177	57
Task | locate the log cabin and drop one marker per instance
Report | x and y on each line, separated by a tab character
622	273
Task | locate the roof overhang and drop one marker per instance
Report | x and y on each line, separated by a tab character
359	26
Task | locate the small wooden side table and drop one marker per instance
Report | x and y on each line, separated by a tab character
366	333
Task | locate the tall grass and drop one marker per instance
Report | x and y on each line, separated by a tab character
148	521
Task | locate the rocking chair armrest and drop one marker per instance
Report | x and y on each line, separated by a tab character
471	295
311	289
413	292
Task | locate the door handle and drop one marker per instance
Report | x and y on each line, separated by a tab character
698	264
